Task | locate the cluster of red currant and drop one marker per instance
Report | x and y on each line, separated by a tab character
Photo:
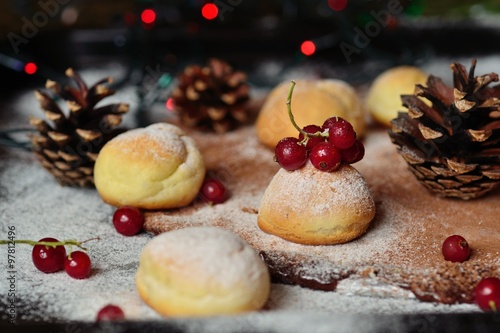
326	146
455	248
49	256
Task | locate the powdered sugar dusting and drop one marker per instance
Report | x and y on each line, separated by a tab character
37	207
164	141
400	246
308	186
206	254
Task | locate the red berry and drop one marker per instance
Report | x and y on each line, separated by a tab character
48	259
325	156
455	249
110	312
213	191
487	294
311	129
290	154
341	132
353	154
128	220
78	266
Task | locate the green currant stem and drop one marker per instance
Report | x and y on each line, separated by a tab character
493	306
289	107
69	242
292	119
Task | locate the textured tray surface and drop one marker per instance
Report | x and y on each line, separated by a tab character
401	250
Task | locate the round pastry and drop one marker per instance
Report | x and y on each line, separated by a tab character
384	96
313	102
157	167
313	207
201	271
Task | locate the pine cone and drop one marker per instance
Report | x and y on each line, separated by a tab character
68	143
212	97
453	146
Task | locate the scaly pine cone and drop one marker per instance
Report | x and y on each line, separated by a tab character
67	144
212	97
453	146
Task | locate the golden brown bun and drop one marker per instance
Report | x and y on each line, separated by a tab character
383	100
201	271
312	103
156	167
313	207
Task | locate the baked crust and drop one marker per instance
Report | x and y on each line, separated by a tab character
157	167
201	271
313	207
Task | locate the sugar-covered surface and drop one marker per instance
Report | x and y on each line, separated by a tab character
36	206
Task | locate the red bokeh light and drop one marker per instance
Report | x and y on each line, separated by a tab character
148	16
170	104
209	11
308	48
30	68
337	5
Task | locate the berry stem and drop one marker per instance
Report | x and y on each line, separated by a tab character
492	306
289	107
292	119
69	242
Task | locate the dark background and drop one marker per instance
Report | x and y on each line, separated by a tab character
87	33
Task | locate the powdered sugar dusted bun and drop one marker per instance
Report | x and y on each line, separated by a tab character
313	207
201	271
156	167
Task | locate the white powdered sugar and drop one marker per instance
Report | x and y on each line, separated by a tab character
35	206
205	255
163	141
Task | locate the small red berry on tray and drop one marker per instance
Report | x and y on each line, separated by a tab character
213	191
128	221
455	249
78	265
110	313
487	294
48	259
325	156
290	154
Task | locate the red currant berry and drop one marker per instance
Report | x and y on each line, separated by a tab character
325	156
341	132
78	266
290	154
213	191
48	259
128	220
353	154
110	312
455	249
311	129
487	294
